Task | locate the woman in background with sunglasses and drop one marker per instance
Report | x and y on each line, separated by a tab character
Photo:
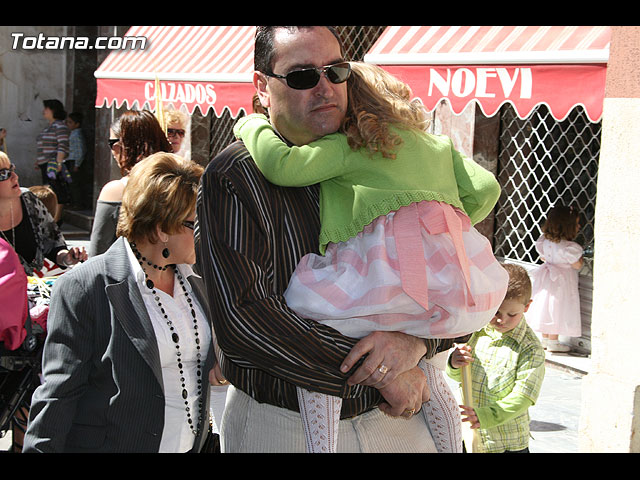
27	225
134	136
129	346
177	122
397	207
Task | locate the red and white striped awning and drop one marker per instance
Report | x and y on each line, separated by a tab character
560	66
209	67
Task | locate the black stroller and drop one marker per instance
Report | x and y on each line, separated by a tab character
19	376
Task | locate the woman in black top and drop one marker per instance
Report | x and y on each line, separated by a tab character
27	225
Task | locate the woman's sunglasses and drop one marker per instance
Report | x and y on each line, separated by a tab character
112	142
175	131
5	173
309	77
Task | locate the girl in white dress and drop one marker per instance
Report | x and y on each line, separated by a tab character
555	309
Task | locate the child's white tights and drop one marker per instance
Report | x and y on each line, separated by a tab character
442	411
320	417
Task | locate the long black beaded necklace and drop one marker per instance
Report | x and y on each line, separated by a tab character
174	334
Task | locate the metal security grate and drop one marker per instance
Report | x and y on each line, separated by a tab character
542	162
357	41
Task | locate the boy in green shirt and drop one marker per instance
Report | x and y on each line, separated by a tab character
507	370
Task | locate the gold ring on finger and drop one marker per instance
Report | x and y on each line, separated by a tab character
383	369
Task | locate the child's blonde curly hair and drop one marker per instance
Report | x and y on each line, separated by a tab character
376	100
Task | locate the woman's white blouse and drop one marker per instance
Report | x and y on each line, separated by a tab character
177	435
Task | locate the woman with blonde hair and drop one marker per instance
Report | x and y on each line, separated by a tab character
27	225
399	252
129	345
177	122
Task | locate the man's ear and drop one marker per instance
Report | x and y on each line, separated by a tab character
260	82
526	307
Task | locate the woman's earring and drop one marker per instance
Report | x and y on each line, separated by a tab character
165	251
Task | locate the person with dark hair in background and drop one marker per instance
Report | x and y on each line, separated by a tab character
52	150
134	136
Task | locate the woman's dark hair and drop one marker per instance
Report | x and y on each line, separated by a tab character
264	46
56	108
140	135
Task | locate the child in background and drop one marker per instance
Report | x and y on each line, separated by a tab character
75	159
556	300
77	147
396	207
50	200
507	370
48	197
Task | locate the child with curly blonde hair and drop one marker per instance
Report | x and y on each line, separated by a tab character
398	249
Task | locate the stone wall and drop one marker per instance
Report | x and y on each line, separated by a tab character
610	413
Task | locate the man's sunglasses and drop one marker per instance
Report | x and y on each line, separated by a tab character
5	173
309	77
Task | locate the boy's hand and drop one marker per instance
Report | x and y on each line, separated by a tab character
461	356
469	415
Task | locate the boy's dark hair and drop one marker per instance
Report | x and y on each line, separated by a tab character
76	117
519	287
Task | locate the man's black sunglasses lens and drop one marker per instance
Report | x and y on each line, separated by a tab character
309	77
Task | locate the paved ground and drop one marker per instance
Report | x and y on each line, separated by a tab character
555	418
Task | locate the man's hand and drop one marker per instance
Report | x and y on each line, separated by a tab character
406	394
389	355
